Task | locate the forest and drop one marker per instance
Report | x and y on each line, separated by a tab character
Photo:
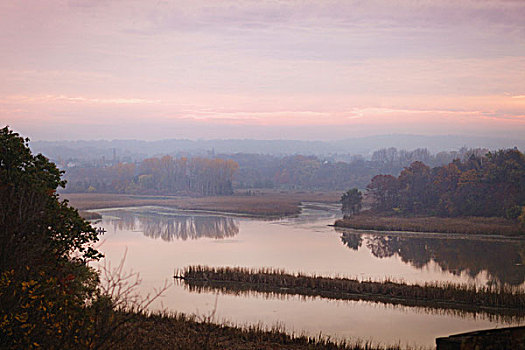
220	174
480	185
165	175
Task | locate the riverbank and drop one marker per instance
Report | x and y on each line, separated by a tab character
179	331
264	204
461	225
504	302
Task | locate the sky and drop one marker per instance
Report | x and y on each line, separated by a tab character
275	69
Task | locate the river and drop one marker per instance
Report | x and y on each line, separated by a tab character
156	241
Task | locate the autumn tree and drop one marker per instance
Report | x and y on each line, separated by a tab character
45	245
351	202
201	176
415	188
384	190
445	182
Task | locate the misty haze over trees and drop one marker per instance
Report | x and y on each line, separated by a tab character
166	175
137	150
219	174
466	182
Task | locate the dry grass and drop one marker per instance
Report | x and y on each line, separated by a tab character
505	301
162	331
264	204
463	225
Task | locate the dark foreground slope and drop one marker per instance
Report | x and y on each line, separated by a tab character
157	331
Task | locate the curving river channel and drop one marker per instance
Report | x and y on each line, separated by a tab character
156	241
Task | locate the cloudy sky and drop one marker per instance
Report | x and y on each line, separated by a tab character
292	69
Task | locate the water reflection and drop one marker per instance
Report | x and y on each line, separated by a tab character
507	316
502	260
175	227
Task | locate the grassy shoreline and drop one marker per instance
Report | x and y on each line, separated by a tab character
432	224
180	331
504	302
259	204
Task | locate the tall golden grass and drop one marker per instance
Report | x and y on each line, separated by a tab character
263	204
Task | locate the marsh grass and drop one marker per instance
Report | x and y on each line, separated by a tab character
500	301
180	331
264	204
463	225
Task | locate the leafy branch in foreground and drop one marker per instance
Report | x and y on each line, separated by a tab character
49	296
45	282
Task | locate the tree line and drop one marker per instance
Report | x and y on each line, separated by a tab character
165	175
251	171
488	185
336	172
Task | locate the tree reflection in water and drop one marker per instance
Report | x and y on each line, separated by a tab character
502	260
170	227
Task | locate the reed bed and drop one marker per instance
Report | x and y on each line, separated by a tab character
264	204
505	301
503	316
463	225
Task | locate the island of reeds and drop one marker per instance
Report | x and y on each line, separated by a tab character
501	301
373	221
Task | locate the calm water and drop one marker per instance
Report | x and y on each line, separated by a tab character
157	241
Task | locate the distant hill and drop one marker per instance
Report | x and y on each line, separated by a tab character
137	149
438	143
